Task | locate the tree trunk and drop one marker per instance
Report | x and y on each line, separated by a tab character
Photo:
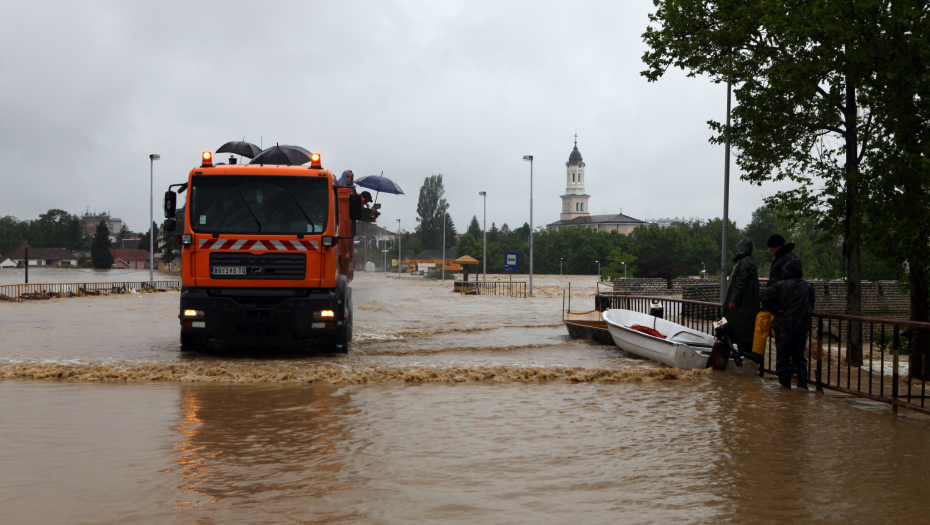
851	242
918	277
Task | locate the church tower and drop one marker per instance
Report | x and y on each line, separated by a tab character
575	201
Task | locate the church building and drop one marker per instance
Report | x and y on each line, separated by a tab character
575	212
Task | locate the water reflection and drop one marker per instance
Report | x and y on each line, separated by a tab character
255	445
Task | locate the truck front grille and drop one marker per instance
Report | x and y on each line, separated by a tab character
267	266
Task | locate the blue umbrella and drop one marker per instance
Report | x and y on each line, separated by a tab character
379	183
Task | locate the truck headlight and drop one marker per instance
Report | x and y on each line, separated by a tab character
328	240
187	239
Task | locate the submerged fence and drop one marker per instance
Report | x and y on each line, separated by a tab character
508	288
36	292
860	356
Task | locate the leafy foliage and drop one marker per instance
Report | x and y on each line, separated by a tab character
53	229
431	208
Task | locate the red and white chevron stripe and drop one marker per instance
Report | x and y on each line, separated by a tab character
253	246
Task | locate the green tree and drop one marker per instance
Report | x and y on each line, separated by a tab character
474	227
100	252
618	263
896	211
804	101
125	233
431	208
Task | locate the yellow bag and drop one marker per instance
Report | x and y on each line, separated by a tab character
763	329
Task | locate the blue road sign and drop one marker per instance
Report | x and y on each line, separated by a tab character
511	260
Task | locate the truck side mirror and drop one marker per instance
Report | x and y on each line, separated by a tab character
170	204
170	225
355	207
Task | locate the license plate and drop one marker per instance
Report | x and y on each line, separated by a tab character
227	270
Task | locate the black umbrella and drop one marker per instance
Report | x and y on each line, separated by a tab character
283	155
239	147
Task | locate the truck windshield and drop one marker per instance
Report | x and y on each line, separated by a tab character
259	204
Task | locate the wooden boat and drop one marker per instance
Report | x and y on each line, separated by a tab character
682	347
588	325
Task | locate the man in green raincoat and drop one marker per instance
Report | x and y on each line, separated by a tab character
742	303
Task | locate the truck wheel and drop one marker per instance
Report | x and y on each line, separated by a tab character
344	334
188	344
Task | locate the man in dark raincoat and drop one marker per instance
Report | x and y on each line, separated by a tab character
742	303
791	301
783	253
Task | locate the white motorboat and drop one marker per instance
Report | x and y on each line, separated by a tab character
682	347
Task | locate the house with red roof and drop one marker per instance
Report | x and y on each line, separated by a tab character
132	259
39	256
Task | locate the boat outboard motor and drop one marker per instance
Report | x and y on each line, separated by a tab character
656	310
724	350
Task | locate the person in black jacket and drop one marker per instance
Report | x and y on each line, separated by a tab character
791	301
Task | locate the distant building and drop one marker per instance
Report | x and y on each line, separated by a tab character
91	220
39	256
6	262
130	243
132	259
665	223
575	203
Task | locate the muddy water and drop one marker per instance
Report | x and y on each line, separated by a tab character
447	409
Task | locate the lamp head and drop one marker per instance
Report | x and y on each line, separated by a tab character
528	157
483	193
154	156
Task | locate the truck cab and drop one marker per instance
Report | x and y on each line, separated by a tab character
267	255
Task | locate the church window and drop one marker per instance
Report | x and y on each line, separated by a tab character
582	206
573	177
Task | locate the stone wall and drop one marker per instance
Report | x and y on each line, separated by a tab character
641	286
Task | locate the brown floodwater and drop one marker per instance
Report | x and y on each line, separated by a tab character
447	409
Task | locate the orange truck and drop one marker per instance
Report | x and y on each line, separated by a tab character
267	255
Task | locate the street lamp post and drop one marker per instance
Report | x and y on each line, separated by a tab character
529	158
726	191
598	270
152	158
398	247
560	267
484	227
624	269
443	264
703	271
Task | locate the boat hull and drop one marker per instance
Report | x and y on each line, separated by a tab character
593	330
682	348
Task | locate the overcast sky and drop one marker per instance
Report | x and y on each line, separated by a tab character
90	89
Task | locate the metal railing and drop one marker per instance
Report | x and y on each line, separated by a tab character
869	366
508	288
37	292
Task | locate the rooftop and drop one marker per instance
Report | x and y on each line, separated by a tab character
599	219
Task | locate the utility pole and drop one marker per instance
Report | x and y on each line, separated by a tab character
726	190
398	248
152	158
443	244
530	159
484	227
